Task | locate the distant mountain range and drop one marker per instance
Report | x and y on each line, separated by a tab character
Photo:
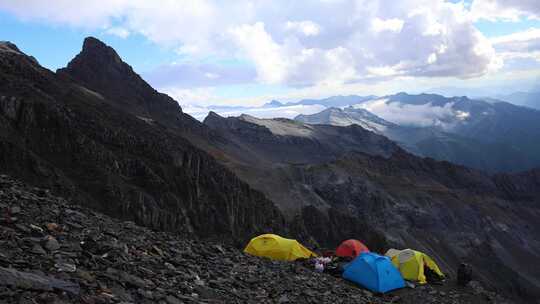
528	99
495	136
334	101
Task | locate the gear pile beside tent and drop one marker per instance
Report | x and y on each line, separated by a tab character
353	261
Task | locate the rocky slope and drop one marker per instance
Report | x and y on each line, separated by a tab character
88	147
395	199
57	252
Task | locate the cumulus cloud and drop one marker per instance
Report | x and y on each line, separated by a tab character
308	28
118	31
392	25
520	50
505	10
525	41
299	44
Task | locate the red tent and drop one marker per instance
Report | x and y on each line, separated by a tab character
351	248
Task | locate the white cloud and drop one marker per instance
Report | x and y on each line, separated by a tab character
297	44
118	31
86	14
290	62
412	115
260	47
308	28
530	34
197	96
383	71
525	41
505	10
520	50
393	25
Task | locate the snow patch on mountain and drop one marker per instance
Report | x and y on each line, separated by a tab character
283	127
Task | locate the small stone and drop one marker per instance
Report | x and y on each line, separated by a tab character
37	249
85	275
51	243
65	267
145	293
283	299
15	210
173	300
22	228
199	282
157	250
219	248
36	228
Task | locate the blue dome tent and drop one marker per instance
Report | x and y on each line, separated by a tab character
374	272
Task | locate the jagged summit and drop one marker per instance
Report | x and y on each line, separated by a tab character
99	67
7	46
10	49
95	48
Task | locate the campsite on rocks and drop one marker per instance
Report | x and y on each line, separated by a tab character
112	192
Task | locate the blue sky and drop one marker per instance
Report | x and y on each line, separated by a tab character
249	52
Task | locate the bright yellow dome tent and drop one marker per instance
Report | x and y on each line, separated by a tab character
412	264
276	247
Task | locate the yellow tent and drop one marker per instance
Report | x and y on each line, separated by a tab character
412	263
277	248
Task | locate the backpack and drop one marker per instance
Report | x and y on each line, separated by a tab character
464	274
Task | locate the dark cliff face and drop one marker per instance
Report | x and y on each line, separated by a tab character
83	144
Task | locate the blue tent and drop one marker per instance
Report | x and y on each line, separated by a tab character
374	272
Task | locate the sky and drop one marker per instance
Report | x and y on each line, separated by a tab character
248	52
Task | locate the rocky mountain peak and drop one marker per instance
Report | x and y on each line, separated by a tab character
10	49
99	68
98	63
6	46
96	51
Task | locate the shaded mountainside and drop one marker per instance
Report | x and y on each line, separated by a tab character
288	141
57	252
397	199
78	142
